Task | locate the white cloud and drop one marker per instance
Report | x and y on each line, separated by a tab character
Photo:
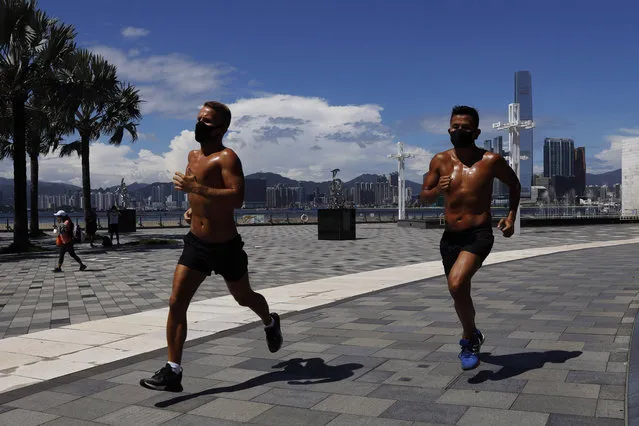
147	136
172	84
109	164
610	158
305	138
133	32
298	137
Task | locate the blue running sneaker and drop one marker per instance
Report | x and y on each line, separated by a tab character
469	354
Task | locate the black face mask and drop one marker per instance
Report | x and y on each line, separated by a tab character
462	139
203	132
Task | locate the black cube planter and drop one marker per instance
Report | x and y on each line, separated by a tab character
126	221
336	224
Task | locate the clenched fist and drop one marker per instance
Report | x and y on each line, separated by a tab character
187	216
444	183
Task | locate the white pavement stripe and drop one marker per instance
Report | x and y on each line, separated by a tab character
56	352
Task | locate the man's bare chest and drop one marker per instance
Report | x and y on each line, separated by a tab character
468	178
206	171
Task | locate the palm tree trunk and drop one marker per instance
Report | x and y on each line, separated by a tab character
20	230
86	176
35	219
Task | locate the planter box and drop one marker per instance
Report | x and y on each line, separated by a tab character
127	221
336	224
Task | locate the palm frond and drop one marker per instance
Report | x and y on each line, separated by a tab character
70	148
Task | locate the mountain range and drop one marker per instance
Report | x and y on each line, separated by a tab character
143	190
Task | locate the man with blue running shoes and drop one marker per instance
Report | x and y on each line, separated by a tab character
464	176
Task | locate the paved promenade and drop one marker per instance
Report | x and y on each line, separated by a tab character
557	307
133	279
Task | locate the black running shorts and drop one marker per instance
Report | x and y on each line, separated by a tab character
478	241
227	259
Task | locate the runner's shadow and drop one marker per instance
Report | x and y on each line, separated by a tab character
297	371
516	364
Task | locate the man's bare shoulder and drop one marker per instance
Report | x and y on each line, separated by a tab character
192	154
442	157
492	157
229	158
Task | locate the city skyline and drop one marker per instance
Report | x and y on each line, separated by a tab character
303	105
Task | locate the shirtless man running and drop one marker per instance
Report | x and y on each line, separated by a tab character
214	181
465	176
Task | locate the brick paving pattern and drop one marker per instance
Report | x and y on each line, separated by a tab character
133	279
557	327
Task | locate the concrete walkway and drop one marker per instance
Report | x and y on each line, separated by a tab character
558	322
137	279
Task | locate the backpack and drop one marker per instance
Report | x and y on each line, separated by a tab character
78	234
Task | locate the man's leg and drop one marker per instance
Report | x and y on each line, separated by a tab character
466	265
459	279
186	281
245	296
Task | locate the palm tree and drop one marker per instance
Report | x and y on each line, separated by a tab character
98	105
31	46
44	131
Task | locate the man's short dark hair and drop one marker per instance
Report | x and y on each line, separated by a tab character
466	110
222	111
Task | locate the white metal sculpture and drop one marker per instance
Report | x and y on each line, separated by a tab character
122	199
336	197
401	182
513	126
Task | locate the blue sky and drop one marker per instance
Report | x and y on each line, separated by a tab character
313	70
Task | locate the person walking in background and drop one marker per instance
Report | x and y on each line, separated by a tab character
114	218
64	240
92	225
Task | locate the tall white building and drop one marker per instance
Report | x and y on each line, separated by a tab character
630	178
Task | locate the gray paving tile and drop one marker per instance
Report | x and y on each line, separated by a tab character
351	420
358	405
565	420
138	416
432	413
601	378
277	416
293	398
494	417
556	404
23	417
86	408
228	409
69	421
42	400
191	420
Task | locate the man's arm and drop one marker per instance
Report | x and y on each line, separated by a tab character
506	174
233	178
430	190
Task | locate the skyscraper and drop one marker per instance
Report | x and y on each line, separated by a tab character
500	189
523	96
630	178
580	170
559	157
498	145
